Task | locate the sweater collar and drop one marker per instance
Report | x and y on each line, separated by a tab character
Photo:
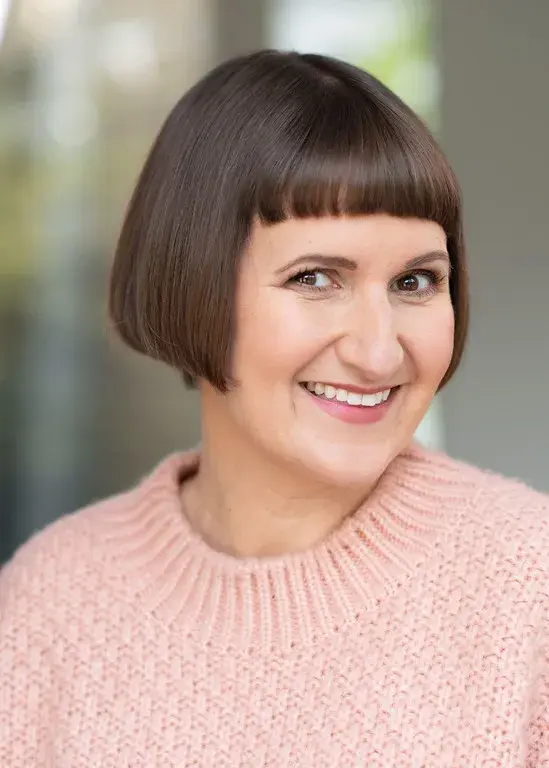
279	602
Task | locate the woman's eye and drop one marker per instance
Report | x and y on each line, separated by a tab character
417	282
313	278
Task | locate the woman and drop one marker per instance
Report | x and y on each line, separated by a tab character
309	588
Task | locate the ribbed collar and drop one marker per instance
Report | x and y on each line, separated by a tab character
267	603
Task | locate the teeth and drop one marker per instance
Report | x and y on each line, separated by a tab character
355	398
343	396
329	392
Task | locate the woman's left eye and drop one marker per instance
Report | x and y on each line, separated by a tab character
417	283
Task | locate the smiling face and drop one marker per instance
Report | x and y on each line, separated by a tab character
344	331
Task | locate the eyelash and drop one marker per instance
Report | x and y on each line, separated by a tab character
437	278
303	272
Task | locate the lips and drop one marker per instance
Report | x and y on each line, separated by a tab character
350	397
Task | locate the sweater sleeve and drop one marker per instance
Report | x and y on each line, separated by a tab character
28	692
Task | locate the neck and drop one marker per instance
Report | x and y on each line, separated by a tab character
244	504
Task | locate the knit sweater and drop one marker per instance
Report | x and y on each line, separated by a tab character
415	635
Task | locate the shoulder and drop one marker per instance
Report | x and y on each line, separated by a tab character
81	557
55	568
508	499
501	517
507	505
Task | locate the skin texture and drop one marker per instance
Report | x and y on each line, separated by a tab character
278	473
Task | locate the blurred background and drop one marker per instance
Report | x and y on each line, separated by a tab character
85	86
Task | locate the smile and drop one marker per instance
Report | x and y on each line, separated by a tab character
352	407
364	399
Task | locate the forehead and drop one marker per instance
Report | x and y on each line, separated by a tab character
359	237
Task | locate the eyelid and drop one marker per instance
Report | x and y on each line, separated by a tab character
437	273
435	269
330	274
307	270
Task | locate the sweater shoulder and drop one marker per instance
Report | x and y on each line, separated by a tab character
507	515
80	557
94	537
64	560
509	496
508	501
517	517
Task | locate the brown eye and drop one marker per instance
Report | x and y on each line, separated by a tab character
312	279
417	283
308	278
409	284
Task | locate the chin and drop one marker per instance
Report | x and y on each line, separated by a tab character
336	465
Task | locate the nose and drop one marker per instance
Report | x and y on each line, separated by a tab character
371	343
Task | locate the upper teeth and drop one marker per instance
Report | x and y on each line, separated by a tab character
352	398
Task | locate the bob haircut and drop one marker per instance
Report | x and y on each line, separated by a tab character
266	136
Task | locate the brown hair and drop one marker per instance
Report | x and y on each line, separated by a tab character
270	135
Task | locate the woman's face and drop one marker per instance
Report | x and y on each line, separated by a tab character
344	330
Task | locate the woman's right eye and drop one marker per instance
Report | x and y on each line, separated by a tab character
312	279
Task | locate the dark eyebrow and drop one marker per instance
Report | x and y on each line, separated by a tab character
427	258
325	260
319	260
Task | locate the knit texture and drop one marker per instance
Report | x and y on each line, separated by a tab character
416	635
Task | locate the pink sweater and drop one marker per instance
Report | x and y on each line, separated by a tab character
415	636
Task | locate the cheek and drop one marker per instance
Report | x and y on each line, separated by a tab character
276	337
430	341
437	343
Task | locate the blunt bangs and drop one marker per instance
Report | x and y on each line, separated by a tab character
350	159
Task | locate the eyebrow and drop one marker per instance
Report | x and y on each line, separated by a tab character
331	261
